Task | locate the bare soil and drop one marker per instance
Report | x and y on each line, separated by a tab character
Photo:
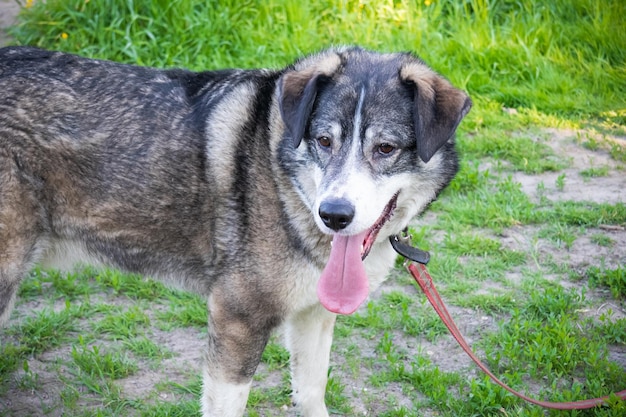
8	12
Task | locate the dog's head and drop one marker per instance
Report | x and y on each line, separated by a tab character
368	140
368	126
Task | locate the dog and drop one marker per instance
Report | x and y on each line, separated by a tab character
271	193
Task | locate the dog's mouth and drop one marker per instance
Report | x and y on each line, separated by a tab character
372	232
343	285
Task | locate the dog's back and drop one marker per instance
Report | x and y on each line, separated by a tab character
103	160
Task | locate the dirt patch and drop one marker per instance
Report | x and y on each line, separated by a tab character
9	10
609	186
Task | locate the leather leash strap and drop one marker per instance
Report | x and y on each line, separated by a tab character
425	282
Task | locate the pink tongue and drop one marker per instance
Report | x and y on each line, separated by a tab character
343	285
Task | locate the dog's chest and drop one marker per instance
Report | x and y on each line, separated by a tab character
304	277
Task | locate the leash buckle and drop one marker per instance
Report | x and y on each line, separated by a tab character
402	244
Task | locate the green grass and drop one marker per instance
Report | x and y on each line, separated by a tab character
613	279
144	347
93	362
184	311
395	311
122	324
546	334
595	172
502	259
523	153
565	57
44	331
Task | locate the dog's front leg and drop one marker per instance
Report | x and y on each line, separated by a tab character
221	398
236	343
309	336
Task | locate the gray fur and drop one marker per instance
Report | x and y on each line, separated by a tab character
213	180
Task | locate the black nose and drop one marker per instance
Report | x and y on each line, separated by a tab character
336	214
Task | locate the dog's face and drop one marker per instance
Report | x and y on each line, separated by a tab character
368	140
367	126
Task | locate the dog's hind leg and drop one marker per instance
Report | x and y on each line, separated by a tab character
309	337
11	273
19	230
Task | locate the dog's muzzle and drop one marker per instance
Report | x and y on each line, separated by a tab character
336	214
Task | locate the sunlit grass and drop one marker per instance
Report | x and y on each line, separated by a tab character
561	56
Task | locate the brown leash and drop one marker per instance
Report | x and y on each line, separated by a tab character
425	281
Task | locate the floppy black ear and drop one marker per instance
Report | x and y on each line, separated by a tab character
297	95
438	108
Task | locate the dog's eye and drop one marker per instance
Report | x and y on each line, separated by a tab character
324	141
386	149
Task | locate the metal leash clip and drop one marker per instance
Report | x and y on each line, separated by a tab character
402	245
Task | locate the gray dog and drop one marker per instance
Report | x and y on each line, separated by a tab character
270	193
